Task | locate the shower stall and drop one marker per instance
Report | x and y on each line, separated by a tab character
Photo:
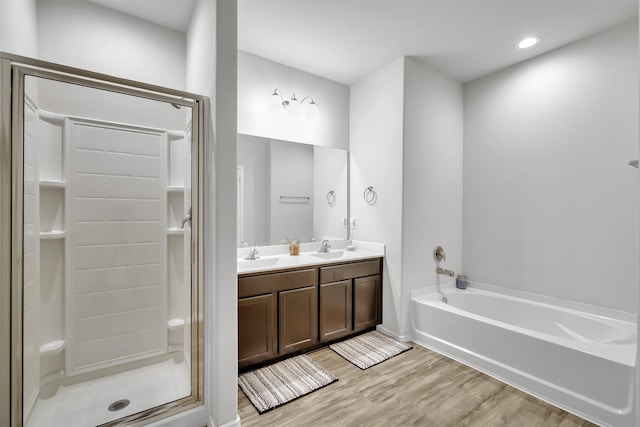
105	281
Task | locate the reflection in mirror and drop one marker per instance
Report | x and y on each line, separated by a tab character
107	286
290	191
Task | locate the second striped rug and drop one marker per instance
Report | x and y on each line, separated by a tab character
369	349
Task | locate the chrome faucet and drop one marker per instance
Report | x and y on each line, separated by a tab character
449	273
324	247
253	254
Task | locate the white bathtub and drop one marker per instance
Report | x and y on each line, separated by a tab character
578	357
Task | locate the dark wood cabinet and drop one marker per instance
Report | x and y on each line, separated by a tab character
257	333
367	302
277	314
350	298
335	310
289	311
298	313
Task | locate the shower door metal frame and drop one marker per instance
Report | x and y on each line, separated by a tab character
13	70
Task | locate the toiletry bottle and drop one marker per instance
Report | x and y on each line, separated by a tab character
294	247
461	281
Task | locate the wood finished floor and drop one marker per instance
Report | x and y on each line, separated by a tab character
416	388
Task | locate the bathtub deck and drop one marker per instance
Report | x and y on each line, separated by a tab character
419	388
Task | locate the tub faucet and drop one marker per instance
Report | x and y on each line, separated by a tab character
253	254
449	273
324	248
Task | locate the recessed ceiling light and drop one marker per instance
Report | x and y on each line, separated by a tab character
529	42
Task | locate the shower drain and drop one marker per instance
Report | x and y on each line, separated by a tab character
119	404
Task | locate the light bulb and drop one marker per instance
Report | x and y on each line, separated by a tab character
312	110
275	101
529	42
294	106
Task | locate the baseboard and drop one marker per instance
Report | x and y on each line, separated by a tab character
233	423
401	338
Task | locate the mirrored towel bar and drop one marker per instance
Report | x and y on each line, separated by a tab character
295	200
295	197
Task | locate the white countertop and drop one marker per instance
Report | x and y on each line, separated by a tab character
278	258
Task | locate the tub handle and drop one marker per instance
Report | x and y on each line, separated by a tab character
439	255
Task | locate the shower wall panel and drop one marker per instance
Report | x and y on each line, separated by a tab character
117	311
31	295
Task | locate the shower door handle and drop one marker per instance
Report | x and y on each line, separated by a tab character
187	218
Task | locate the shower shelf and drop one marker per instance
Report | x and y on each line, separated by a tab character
174	324
56	234
52	183
51	348
175	231
175	189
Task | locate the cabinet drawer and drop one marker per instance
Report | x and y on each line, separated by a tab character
349	271
265	283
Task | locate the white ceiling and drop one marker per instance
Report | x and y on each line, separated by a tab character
344	40
173	14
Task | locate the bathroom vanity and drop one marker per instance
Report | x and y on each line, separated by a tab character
284	310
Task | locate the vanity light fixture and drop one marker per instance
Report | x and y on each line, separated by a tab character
529	42
293	106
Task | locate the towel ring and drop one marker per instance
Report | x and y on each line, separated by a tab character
331	198
369	195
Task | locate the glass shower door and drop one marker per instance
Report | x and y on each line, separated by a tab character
108	299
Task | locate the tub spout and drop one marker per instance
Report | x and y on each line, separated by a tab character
445	272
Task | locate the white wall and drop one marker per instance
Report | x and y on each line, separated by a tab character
407	143
257	79
376	160
550	205
330	173
223	337
100	39
220	346
432	184
19	27
212	71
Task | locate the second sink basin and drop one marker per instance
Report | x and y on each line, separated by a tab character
329	255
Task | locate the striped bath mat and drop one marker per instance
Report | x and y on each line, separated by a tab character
283	382
369	349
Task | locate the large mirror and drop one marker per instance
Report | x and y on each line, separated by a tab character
290	191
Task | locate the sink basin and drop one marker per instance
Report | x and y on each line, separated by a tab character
262	263
329	255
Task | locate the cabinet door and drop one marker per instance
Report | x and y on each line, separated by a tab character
335	310
367	302
257	334
298	309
